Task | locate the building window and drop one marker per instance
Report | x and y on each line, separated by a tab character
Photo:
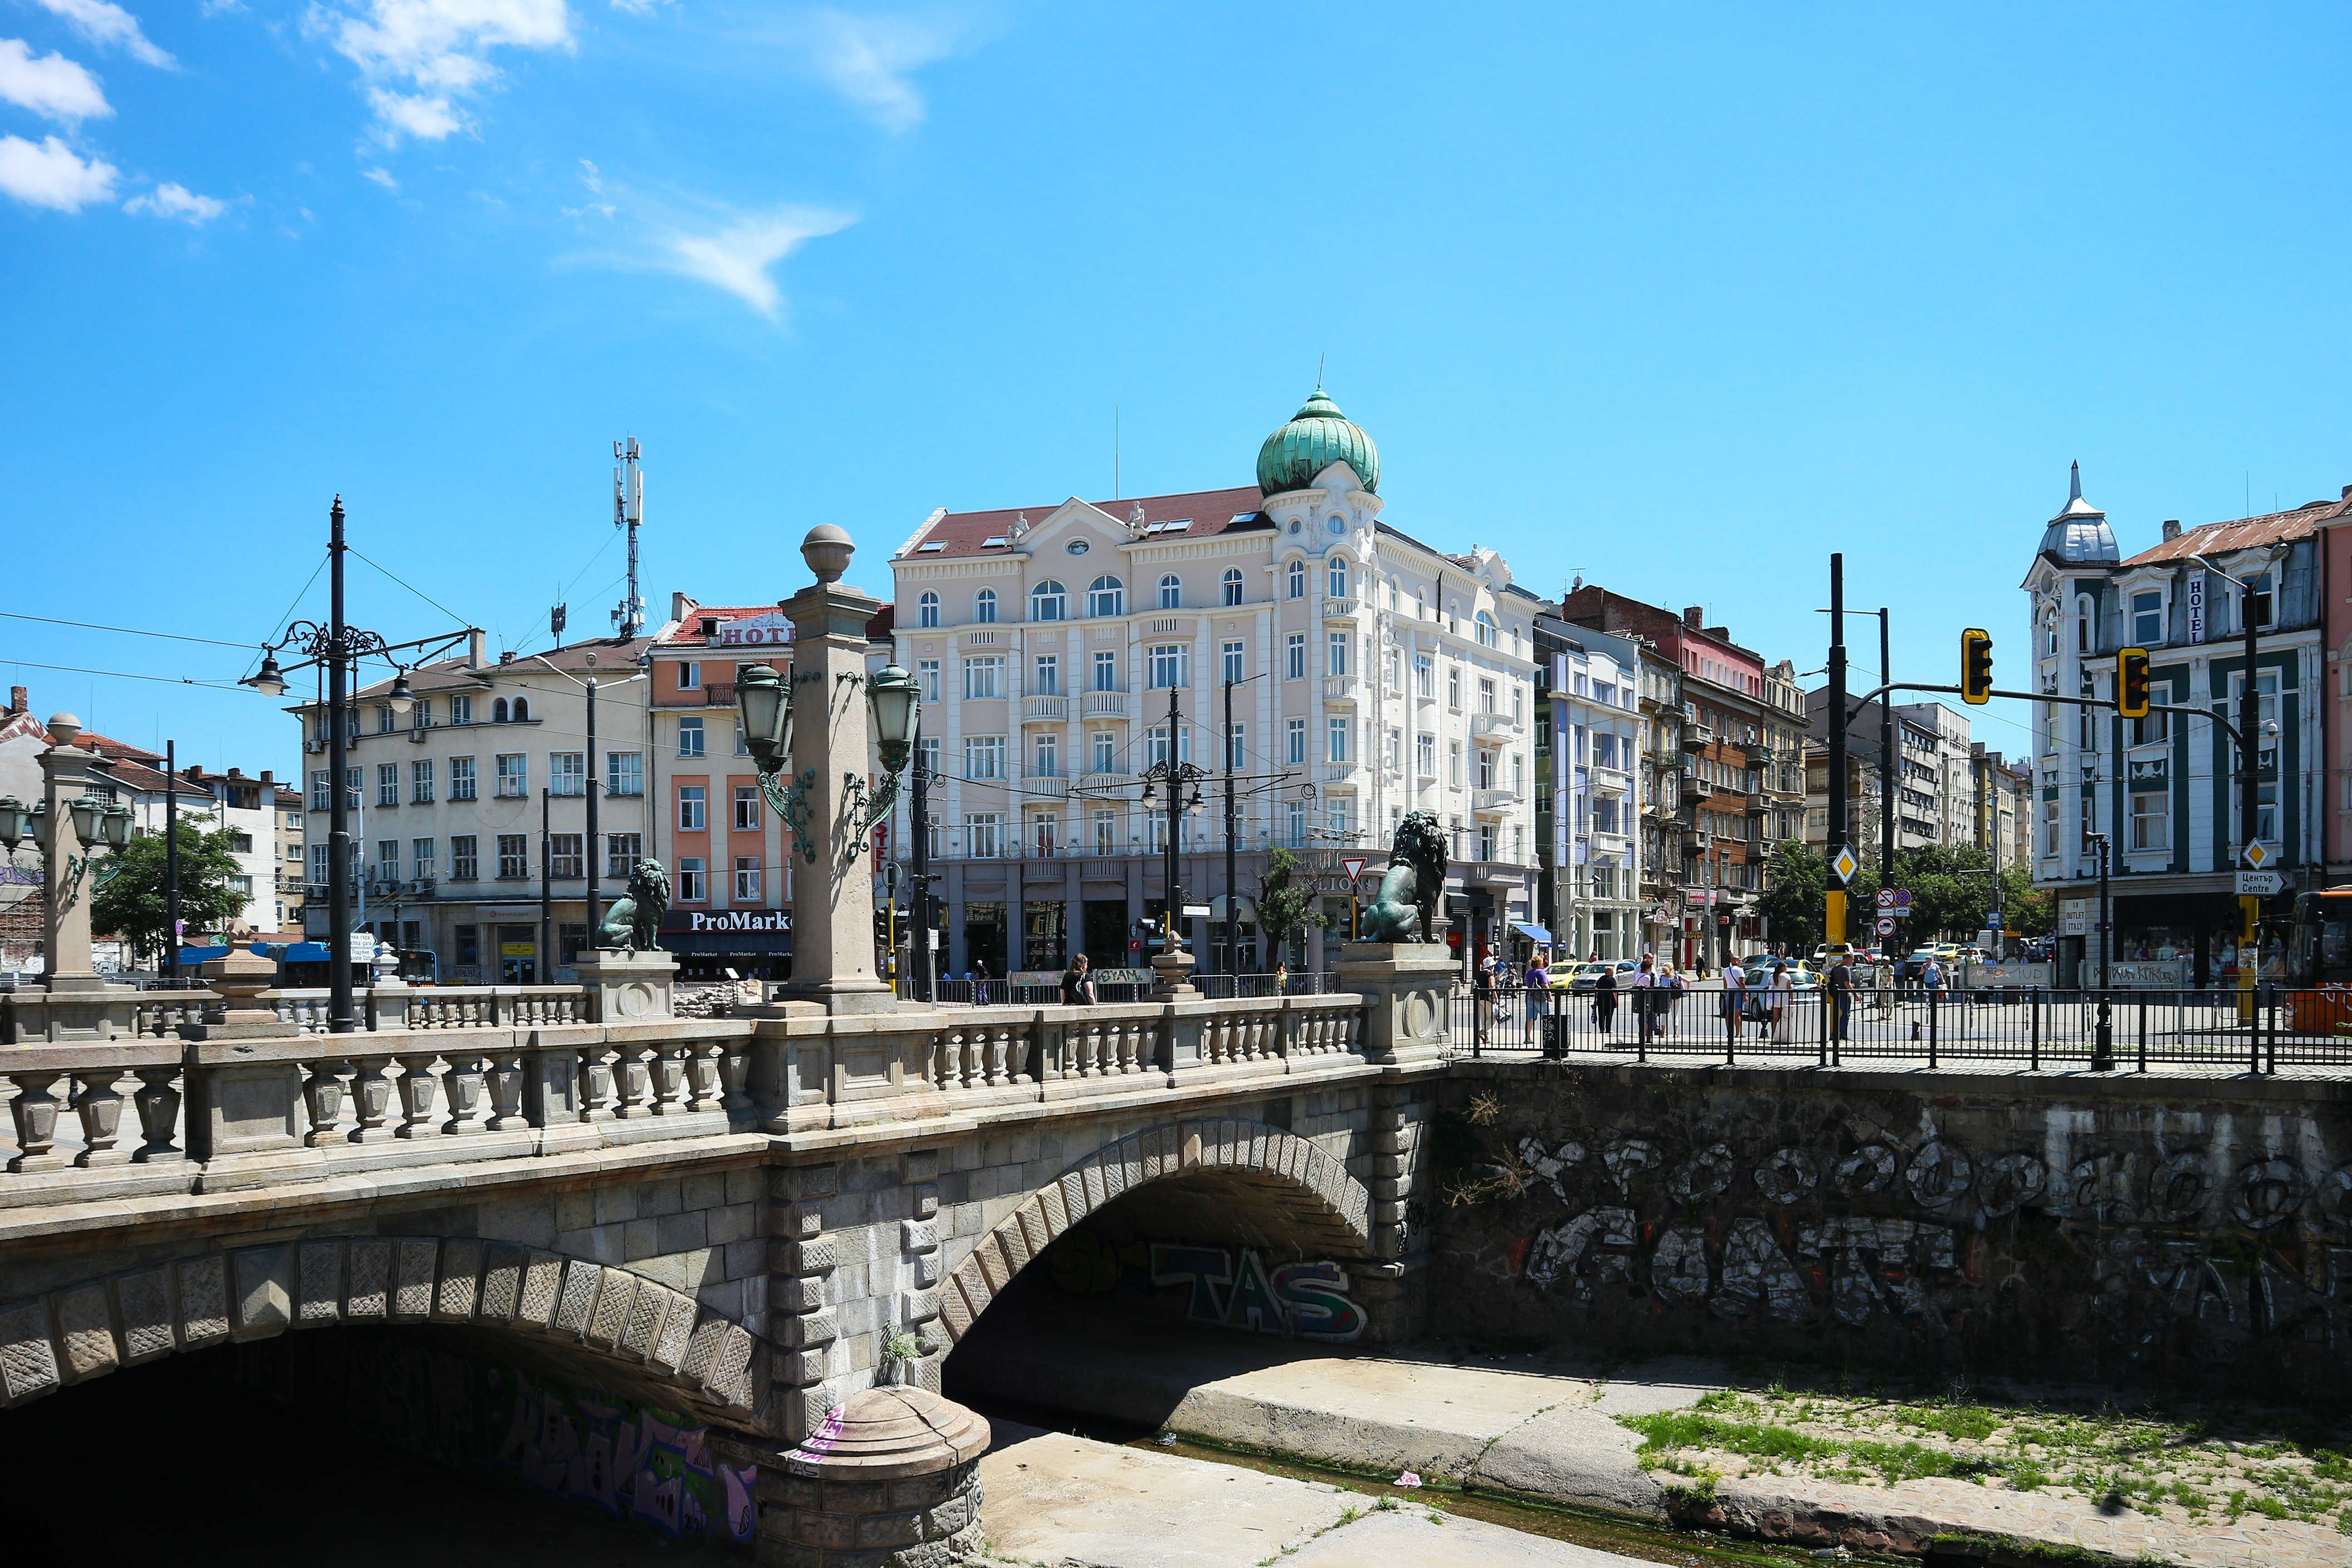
567	772
461	778
1294	580
984	756
1230	656
1105	832
1106	752
388	783
1483	628
1424	675
984	833
926	674
690	675
522	710
1172	591
1454	687
1424	755
743	746
1169	666
928	759
514	857
690	872
564	857
747	879
621	853
689	737
464	862
1048	601
2151	821
1294	742
984	677
1235	747
2147	619
421	859
692	799
322	790
1293	656
1106	672
387	860
514	776
1106	595
1486	842
625	773
420	782
983	606
1232	586
1045	676
747	808
1453	764
1335	577
385	720
1336	652
1486	695
927	610
1336	731
1393	750
461	710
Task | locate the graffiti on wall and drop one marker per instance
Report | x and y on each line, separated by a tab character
1229	1287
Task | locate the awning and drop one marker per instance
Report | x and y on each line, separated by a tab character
1533	932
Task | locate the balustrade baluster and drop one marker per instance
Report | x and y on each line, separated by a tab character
159	1114
465	1084
632	1084
100	1105
322	1097
998	1043
970	1073
34	1111
1128	1043
418	1088
669	1074
702	1077
371	1098
504	1081
596	1086
734	1072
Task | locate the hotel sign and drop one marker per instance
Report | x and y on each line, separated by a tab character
2197	606
748	631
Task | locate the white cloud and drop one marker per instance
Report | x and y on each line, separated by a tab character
737	258
419	56
51	176
638	7
50	85
868	58
178	202
382	177
110	25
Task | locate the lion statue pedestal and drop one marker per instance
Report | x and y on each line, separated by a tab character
1404	985
629	987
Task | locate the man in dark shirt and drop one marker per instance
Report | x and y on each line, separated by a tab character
1840	985
1078	985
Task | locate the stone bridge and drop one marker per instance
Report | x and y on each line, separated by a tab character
718	1218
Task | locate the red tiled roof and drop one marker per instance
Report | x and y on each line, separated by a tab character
1210	511
689	629
107	746
447	674
2247	532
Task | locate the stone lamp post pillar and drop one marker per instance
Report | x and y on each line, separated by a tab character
70	879
833	891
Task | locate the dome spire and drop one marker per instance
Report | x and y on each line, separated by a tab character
2074	482
1317	436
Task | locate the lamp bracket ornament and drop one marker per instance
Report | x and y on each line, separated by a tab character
790	802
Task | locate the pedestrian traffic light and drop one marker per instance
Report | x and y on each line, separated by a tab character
1976	665
2131	683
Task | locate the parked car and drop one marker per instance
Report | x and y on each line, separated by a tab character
1801	976
1585	977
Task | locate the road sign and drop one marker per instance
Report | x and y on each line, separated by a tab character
2260	884
1886	897
2258	855
1902	898
1886	925
1134	944
1354	866
1198	913
1846	865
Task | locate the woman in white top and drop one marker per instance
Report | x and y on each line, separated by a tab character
1783	989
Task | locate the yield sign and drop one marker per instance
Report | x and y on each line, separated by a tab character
1354	866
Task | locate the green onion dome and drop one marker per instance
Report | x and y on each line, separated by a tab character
1317	436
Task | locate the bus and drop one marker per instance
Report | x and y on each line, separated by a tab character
2320	941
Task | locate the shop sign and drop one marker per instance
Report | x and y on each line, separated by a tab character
692	921
2077	916
752	631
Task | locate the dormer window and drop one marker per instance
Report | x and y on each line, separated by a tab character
2258	604
2147	619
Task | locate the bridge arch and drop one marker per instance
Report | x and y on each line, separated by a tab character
1280	1189
634	1333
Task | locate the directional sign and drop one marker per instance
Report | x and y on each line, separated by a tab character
2260	884
1354	866
2258	855
1886	925
1846	865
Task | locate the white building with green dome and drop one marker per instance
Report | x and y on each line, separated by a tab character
1370	674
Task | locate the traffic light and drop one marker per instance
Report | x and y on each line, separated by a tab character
1976	665
2131	683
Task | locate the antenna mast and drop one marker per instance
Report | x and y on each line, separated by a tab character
629	513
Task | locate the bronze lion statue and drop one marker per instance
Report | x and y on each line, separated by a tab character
1414	882
631	924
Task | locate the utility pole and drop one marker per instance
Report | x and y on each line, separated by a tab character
172	859
339	815
542	970
922	835
1885	763
1833	925
594	846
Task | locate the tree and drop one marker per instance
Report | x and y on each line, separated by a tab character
131	906
2028	909
1794	884
1284	908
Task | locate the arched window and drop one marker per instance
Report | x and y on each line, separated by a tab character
1419	604
1295	580
1048	602
1483	628
927	610
1172	591
1339	576
983	606
499	711
1105	596
2081	625
522	710
1233	585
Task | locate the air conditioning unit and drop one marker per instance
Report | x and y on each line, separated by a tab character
314	746
419	736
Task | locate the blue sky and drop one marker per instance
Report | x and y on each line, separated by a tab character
1677	297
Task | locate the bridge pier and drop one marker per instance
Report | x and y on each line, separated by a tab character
890	1480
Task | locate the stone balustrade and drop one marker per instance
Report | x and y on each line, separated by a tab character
440	1006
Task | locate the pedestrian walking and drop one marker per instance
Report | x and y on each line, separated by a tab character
1841	993
1078	984
1482	1004
1776	1001
1645	1000
1604	1000
979	986
1672	987
1735	997
1931	979
1538	999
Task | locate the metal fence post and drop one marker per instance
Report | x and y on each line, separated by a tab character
1931	1027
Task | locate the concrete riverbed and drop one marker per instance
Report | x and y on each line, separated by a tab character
1552	1428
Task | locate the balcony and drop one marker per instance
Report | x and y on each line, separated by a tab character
719	696
1103	704
1689	762
1494	726
1698	734
1340	776
1045	786
1494	801
1339	688
1103	783
1339	609
1044	709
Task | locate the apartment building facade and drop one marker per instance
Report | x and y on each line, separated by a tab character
1592	735
1342	672
469	810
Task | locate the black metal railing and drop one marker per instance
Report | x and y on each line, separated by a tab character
2255	1031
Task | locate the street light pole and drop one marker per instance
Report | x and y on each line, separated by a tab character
2250	709
1232	829
339	815
2103	1040
924	983
172	859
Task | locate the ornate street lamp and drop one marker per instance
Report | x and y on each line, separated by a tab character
892	694
15	822
764	704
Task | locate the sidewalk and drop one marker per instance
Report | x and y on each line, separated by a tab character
1552	1426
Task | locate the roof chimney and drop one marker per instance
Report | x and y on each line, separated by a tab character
21	701
476	648
505	655
268	777
1694	615
2172	527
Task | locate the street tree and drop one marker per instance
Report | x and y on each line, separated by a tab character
1285	907
132	904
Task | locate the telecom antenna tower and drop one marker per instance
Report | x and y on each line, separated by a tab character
629	513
